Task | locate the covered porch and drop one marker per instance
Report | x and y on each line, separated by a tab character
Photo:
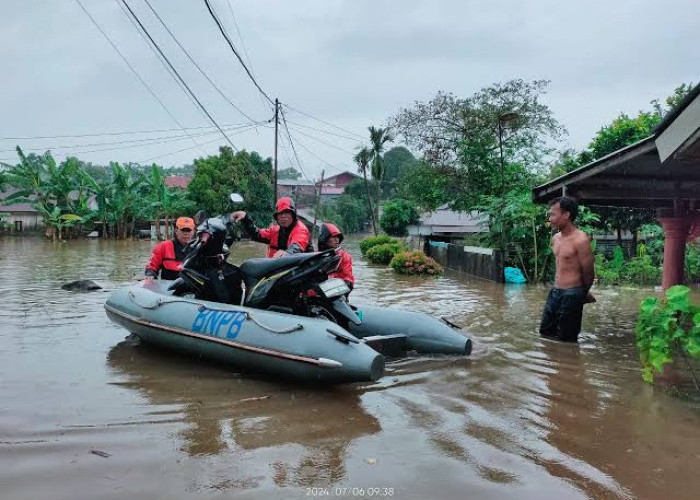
660	172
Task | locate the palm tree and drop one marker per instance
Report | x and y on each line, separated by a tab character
378	137
362	158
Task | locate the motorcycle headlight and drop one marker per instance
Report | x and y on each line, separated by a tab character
334	287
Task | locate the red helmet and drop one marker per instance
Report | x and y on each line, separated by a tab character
327	230
285	204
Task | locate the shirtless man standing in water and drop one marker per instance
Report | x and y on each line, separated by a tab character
561	318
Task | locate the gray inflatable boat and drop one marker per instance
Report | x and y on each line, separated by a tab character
310	349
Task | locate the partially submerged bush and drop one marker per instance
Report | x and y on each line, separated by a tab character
373	241
382	254
666	327
415	262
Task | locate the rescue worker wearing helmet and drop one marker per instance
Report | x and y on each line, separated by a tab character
286	236
331	237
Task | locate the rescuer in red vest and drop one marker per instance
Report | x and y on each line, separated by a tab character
288	235
331	237
167	256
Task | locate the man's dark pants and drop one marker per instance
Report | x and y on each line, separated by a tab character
561	318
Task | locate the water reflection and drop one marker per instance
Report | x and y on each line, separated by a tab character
225	412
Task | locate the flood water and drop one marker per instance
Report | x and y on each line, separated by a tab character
86	414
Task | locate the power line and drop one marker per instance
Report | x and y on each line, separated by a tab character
323	131
240	59
324	142
197	65
201	106
323	121
339	169
250	127
162	62
294	150
128	141
29	138
240	36
133	70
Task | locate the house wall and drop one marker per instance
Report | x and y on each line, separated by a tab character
340	180
30	221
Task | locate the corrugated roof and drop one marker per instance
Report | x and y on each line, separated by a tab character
178	181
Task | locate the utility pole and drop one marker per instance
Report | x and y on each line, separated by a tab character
277	123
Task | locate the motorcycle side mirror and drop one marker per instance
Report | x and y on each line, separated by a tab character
200	217
236	198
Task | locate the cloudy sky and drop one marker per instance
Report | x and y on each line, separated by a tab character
349	63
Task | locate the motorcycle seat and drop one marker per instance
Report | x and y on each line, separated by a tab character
258	268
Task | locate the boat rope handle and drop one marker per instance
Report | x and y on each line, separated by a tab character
291	329
159	302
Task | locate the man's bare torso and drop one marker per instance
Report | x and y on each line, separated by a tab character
568	261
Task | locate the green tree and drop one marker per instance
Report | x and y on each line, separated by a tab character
397	161
459	138
289	173
363	158
217	176
397	215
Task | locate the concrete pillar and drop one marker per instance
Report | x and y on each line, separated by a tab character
677	229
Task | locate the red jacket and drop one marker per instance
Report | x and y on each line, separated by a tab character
294	239
166	257
344	270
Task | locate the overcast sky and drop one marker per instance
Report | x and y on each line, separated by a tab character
352	63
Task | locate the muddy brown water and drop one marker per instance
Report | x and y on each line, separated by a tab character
86	414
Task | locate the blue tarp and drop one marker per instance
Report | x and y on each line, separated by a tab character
514	275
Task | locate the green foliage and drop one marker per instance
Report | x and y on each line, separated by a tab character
382	254
349	213
692	263
288	173
665	326
397	215
372	241
459	139
217	176
397	161
526	232
426	186
415	262
639	270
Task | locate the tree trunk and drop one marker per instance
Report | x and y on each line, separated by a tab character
619	237
159	233
104	229
634	243
534	241
369	201
167	226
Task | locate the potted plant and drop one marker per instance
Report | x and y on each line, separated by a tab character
667	328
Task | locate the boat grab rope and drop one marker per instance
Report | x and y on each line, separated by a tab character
159	302
291	329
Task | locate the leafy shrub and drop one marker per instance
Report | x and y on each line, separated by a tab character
382	254
667	326
640	270
397	214
692	263
415	262
372	241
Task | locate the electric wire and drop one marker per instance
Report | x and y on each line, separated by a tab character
201	106
238	56
133	70
197	65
